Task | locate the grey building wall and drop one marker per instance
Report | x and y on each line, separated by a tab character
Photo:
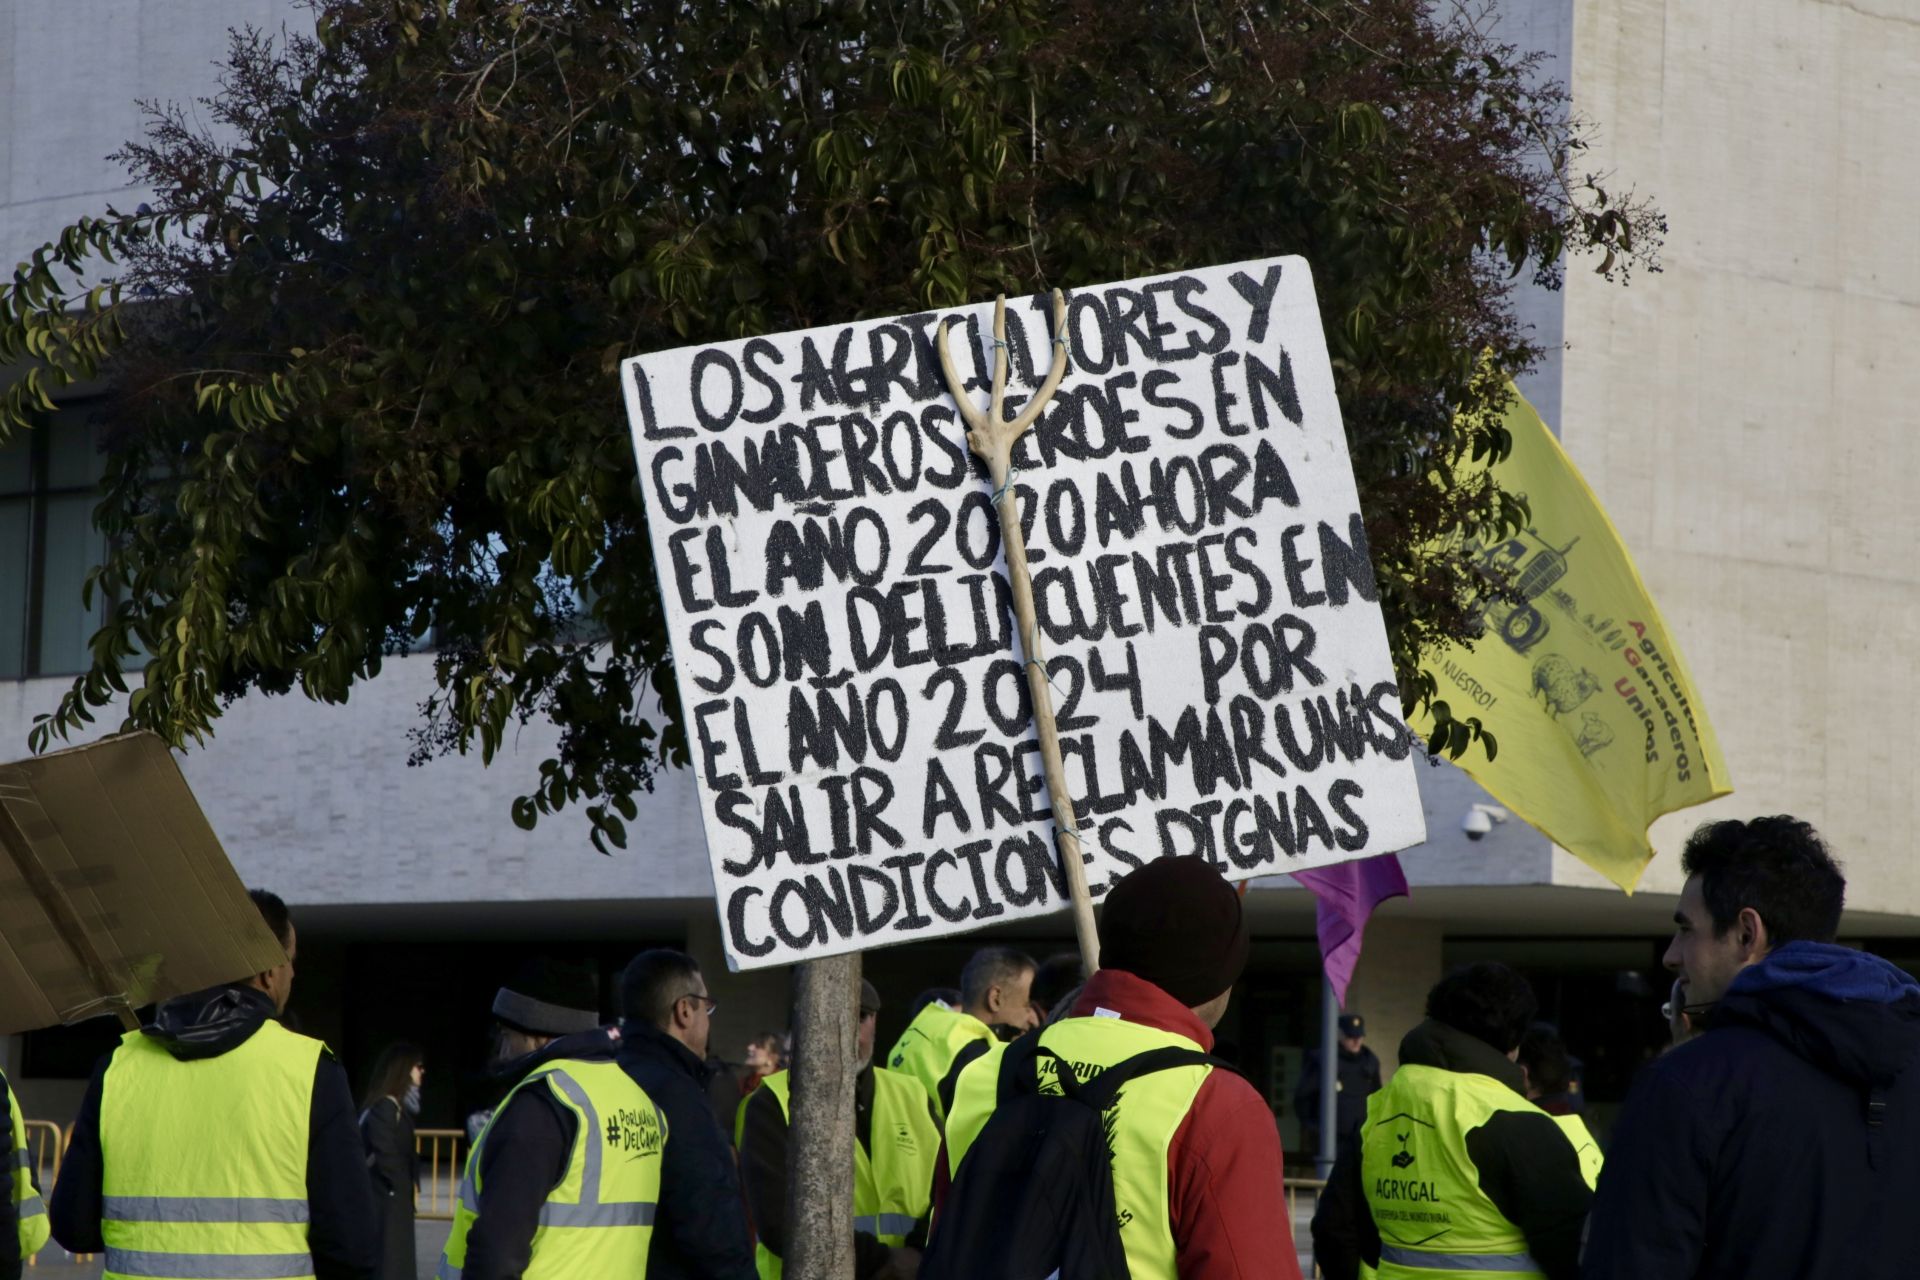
72	73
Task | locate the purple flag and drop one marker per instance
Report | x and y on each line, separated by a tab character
1345	895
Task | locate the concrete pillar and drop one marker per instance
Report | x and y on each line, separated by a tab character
751	1002
1399	961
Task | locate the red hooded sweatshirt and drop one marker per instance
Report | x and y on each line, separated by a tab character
1224	1165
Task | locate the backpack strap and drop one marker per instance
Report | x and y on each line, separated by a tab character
1019	1067
1103	1090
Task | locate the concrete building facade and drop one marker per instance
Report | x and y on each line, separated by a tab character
1746	416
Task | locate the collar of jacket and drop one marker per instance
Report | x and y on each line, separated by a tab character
641	1038
1137	1000
1435	1044
206	1024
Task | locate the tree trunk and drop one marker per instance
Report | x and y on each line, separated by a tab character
826	1011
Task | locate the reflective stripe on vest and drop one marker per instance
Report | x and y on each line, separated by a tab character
1584	1146
214	1266
1422	1260
892	1181
203	1209
1422	1186
599	1219
926	1049
28	1208
204	1171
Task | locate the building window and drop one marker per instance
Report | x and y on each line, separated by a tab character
49	482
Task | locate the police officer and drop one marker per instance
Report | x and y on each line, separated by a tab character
996	991
1454	1173
1356	1078
215	1142
564	1180
24	1208
896	1141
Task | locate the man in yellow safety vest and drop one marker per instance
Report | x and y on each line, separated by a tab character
1196	1156
1455	1175
565	1179
896	1140
23	1208
995	991
215	1142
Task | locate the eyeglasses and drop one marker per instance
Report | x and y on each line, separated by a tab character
712	1004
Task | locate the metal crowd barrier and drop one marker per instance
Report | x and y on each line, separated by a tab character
1299	1190
46	1147
440	1153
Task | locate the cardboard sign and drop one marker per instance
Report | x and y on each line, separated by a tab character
843	629
114	891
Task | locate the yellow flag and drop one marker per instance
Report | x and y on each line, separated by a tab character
1600	729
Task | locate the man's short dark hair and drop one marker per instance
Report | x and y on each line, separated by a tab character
1058	977
654	981
1544	1054
1488	1001
274	912
1779	866
989	968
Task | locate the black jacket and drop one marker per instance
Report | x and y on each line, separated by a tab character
1783	1142
341	1231
1358	1077
387	1130
524	1158
1527	1169
700	1231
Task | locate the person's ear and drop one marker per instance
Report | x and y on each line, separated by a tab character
1752	933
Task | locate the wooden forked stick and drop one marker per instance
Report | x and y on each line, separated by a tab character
993	440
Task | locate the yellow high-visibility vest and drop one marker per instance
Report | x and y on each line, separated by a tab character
975	1092
598	1221
1584	1146
28	1207
1422	1186
1151	1110
205	1160
926	1049
892	1181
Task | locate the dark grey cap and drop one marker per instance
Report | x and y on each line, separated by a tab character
548	998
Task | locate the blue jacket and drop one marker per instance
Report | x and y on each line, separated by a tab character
1783	1142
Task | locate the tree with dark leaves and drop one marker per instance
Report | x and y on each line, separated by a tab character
363	341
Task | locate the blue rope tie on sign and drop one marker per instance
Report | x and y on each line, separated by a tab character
1005	489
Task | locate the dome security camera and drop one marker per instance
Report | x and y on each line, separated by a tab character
1479	820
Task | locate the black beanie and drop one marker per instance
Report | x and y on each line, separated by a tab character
550	998
1176	923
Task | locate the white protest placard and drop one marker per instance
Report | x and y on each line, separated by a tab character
842	626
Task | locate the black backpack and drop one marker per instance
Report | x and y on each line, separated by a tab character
1034	1196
